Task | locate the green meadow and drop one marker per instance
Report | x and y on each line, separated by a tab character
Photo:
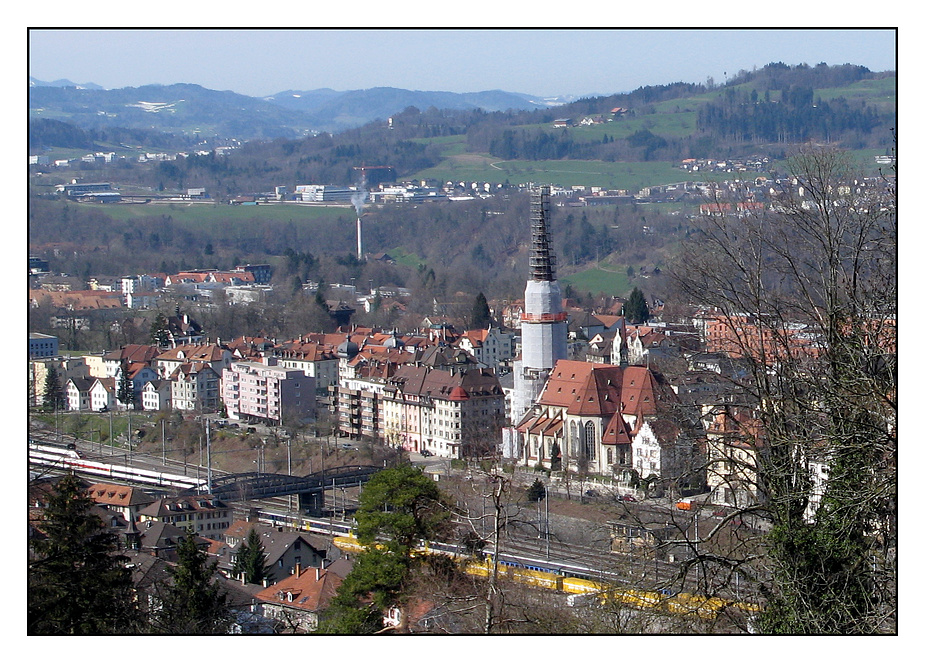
598	279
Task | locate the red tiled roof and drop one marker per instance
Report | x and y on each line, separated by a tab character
310	590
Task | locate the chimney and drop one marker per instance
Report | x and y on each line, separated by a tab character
317	573
298	569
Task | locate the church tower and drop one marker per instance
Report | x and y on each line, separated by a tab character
543	324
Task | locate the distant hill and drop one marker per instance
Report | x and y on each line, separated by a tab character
178	109
192	109
63	82
442	135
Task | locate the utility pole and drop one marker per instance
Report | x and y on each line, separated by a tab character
128	437
546	528
289	468
208	459
163	443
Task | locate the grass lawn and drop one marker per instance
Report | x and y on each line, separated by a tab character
595	280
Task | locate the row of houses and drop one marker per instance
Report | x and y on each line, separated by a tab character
606	410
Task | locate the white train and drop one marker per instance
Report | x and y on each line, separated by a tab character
63	458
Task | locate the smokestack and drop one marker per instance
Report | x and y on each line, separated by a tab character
359	239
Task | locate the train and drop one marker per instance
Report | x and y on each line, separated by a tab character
64	458
579	584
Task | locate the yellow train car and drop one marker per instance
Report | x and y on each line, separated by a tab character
682	603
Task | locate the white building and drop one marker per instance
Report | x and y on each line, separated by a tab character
491	347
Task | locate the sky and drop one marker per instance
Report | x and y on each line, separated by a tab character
548	62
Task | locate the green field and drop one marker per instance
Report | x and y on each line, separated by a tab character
597	280
404	258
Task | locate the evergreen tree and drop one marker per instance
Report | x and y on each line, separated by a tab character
159	335
636	310
537	491
481	313
251	562
125	393
194	604
53	396
78	584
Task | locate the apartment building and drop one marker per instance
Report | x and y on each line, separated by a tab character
267	391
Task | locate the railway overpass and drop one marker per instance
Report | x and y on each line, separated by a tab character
310	488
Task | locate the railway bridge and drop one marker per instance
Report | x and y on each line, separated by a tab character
309	488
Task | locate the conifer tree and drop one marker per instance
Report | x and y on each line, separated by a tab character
251	562
53	395
636	310
125	392
159	335
481	313
194	604
78	583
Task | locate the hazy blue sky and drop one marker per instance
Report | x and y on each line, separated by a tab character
540	62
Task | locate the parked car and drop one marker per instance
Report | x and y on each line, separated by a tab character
627	498
426	453
591	493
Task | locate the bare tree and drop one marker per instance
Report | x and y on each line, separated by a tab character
808	293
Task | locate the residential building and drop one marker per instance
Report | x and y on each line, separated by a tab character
734	440
155	395
285	550
133	354
213	355
103	395
77	393
314	359
267	391
492	347
94	394
194	386
452	413
296	602
67	367
127	500
200	514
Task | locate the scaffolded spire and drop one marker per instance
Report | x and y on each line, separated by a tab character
542	259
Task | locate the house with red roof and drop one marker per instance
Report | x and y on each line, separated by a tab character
297	601
127	500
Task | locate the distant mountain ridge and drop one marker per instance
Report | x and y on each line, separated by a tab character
63	82
189	108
